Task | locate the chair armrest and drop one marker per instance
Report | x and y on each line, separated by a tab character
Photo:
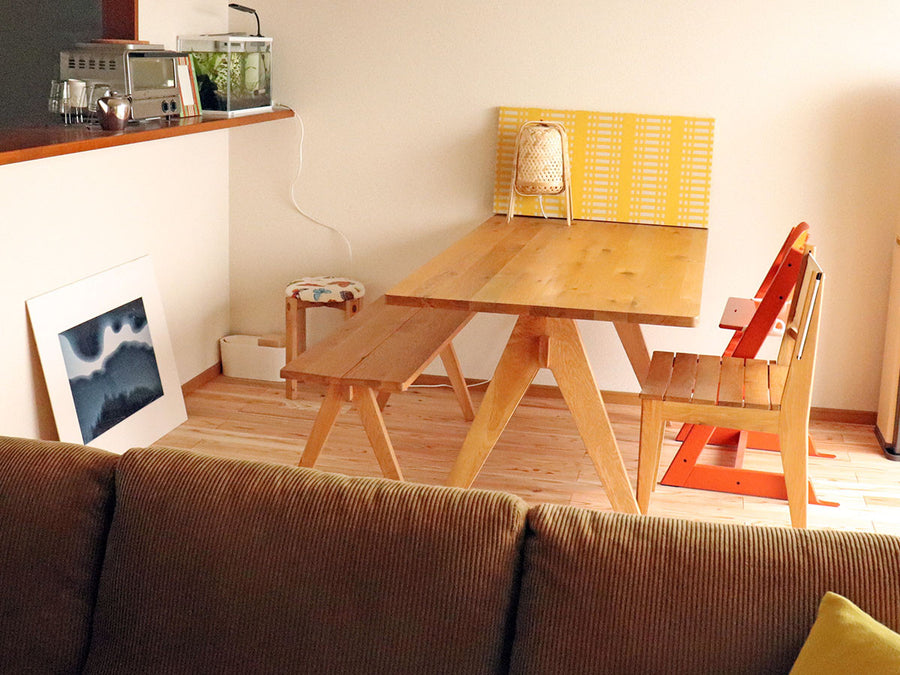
737	313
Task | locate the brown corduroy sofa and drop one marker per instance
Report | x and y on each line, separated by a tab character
165	561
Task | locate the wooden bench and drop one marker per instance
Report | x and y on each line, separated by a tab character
380	351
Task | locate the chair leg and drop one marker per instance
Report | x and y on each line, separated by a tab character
793	441
352	307
295	338
457	381
652	428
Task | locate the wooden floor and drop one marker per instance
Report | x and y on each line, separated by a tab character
540	456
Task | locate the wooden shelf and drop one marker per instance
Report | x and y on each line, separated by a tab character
22	144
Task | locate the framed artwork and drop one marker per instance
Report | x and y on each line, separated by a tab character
107	359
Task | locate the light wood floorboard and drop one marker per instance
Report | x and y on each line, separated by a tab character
539	457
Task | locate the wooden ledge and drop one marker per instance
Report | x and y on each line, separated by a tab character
22	144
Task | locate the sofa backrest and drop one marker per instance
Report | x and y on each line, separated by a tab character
217	565
613	593
56	504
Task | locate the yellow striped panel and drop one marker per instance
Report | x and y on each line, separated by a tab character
625	167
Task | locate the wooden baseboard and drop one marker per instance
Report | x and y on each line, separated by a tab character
863	417
206	376
838	415
843	416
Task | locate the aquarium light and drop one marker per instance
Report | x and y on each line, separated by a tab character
249	10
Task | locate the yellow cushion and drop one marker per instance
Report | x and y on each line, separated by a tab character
844	639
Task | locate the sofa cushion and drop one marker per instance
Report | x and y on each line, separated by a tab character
612	593
55	507
844	639
217	565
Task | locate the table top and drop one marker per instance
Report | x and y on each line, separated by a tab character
592	270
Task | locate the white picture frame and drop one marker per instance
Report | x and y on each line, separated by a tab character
107	360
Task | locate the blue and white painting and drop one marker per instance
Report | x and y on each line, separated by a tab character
111	367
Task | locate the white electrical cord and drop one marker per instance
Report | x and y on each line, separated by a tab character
342	235
297	205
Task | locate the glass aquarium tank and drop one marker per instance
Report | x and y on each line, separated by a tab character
234	73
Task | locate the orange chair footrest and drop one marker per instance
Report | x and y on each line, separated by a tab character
741	481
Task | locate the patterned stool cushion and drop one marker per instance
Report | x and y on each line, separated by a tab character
325	289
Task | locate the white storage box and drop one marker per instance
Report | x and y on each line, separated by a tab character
252	357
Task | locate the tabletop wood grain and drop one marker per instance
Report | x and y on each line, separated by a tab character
604	271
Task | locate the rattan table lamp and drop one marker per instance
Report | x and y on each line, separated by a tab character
541	165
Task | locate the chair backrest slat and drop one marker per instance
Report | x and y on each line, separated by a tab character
804	334
800	344
796	239
780	281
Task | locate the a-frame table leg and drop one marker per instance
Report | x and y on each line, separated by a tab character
538	342
518	365
569	364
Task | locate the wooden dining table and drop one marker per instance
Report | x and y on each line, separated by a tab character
550	274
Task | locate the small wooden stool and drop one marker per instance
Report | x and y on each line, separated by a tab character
334	292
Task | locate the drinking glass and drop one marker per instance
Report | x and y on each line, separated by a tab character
98	90
55	101
77	99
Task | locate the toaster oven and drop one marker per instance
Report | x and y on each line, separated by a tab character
146	73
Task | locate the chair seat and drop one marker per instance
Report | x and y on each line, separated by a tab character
715	380
322	290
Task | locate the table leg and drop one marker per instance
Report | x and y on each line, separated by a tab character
518	365
632	339
536	343
568	362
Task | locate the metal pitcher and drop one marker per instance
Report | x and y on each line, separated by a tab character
114	111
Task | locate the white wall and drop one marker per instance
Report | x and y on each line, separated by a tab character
65	218
399	101
161	21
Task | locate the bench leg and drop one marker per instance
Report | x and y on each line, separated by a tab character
323	425
458	382
373	423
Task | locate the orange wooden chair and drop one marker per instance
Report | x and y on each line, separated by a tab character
771	397
767	305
